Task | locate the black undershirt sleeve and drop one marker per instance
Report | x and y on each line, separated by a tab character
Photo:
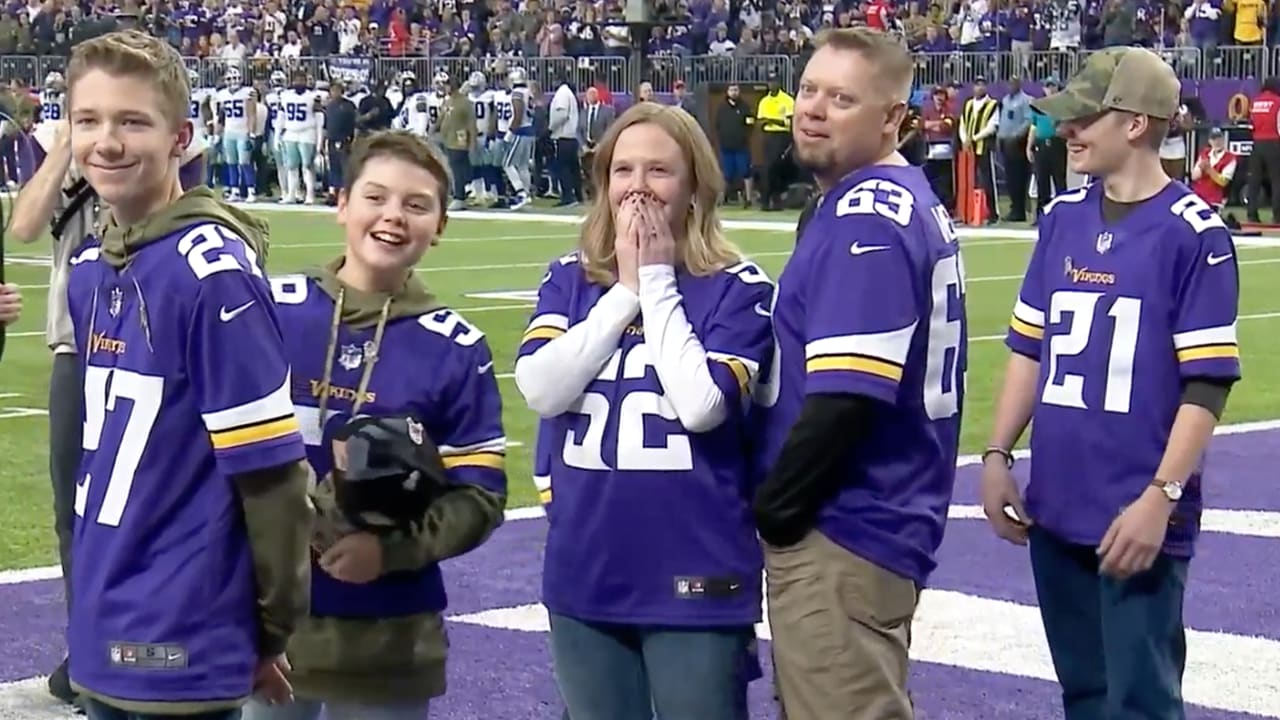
1209	393
806	475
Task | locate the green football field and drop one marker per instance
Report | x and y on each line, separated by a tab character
489	267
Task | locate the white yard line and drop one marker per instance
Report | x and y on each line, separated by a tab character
969	631
1223	521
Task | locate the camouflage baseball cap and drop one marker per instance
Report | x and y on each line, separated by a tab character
1132	79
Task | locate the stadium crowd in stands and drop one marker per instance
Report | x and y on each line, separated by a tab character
385	42
239	30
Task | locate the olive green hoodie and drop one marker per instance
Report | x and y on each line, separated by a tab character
277	510
389	660
197	205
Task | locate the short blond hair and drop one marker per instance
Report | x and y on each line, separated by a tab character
887	53
134	54
704	249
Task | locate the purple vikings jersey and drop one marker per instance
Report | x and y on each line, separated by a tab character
185	385
871	303
650	523
1118	316
435	367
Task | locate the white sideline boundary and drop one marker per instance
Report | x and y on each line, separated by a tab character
1242	522
788	225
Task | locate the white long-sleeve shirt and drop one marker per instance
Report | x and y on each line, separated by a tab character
553	378
563	119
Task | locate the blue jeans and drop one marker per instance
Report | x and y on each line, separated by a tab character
99	711
1119	646
302	709
630	672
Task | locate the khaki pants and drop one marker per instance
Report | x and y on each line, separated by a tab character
841	629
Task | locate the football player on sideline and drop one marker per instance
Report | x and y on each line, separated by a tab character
1124	351
640	357
359	332
193	522
861	418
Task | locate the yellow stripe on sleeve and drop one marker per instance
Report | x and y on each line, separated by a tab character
492	460
1026	329
544	496
870	366
250	434
541	333
739	370
1209	352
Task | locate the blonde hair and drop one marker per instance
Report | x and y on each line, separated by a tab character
131	53
890	57
703	249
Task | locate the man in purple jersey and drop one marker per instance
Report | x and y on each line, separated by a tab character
1124	350
861	418
192	513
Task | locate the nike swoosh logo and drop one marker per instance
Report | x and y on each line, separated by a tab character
1218	259
226	315
860	249
484	368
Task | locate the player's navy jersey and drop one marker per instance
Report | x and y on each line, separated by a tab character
651	523
185	385
457	402
871	303
1119	316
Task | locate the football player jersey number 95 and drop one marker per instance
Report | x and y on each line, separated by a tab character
144	393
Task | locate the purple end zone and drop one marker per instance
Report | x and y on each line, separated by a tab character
507	674
1231	587
1240	473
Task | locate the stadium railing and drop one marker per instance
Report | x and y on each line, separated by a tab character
621	75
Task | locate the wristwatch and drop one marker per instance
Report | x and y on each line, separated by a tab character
1172	489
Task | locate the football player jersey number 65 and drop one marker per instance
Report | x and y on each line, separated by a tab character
144	393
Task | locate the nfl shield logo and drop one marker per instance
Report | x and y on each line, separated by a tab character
1104	242
416	433
1067	266
351	357
117	300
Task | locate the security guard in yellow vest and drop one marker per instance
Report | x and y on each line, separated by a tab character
773	117
978	123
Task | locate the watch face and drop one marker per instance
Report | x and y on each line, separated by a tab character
1173	491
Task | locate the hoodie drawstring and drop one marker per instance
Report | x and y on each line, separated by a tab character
370	358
